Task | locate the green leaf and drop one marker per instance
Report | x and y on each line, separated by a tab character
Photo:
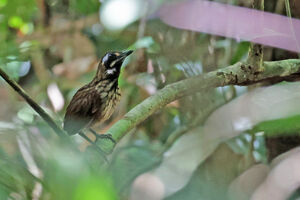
84	7
241	51
279	127
129	163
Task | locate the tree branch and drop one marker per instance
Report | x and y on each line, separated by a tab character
237	74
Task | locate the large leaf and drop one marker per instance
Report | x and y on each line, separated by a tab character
212	178
129	163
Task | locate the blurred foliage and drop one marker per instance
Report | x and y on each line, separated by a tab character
134	160
210	180
84	7
40	38
15	22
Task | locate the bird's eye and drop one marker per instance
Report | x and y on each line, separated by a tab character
108	59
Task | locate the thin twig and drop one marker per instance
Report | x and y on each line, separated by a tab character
33	104
255	56
61	133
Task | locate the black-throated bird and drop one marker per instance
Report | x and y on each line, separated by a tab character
96	101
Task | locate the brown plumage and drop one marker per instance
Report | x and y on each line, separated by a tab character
95	102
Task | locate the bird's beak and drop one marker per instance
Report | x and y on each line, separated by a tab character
126	53
121	57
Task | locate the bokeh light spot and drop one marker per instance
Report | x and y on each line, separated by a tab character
116	14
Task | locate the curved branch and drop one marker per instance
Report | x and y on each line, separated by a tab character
237	74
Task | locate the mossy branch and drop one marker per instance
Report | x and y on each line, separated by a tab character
237	74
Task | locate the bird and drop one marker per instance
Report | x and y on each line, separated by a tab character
95	102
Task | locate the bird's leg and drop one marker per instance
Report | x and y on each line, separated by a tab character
102	136
102	153
94	132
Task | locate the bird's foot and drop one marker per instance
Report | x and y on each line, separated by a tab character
102	136
106	136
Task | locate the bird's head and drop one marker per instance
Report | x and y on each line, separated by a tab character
110	64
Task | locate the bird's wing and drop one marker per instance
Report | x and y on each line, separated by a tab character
81	110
